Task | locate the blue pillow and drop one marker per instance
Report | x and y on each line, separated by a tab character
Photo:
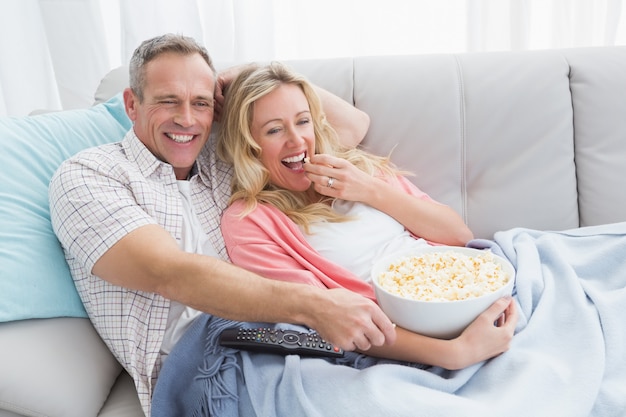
35	281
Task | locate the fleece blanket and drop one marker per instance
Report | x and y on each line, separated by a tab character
568	357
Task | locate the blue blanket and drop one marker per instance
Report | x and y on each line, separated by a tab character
568	357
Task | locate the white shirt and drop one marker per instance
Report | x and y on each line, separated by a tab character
357	244
193	240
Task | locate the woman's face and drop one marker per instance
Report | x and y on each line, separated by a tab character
283	127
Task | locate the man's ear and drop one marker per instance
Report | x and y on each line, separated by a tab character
131	102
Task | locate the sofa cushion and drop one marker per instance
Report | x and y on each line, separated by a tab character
490	134
123	400
111	84
54	367
35	279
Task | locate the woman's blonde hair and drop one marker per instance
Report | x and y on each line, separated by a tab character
251	180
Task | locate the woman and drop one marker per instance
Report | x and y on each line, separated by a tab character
306	209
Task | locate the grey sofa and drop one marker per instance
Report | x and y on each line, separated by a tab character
529	139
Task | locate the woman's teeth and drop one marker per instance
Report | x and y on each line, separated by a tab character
294	162
296	158
179	138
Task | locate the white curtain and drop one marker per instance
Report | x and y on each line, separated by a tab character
54	52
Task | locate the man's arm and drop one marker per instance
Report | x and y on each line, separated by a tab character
350	123
148	259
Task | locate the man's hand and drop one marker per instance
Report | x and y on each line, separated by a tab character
351	321
224	78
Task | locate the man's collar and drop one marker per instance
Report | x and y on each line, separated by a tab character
148	164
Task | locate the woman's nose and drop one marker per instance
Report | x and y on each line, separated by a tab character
294	137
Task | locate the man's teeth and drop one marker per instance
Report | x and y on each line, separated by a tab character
180	138
296	158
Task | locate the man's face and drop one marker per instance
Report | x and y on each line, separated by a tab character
174	120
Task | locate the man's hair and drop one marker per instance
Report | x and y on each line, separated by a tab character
155	47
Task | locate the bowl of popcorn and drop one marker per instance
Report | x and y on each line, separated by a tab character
438	291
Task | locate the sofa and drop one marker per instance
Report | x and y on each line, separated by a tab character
533	139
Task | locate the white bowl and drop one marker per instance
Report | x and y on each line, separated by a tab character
440	319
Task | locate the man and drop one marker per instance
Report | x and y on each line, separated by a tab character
139	223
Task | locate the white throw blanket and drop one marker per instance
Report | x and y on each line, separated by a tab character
568	357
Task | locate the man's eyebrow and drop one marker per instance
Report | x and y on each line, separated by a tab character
208	99
164	96
203	97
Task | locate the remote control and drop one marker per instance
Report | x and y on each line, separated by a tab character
285	342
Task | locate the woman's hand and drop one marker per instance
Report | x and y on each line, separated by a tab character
487	336
338	178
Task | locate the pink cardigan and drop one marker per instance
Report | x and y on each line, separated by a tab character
270	244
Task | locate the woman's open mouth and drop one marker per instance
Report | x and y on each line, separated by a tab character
294	162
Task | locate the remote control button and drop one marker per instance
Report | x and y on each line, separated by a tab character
279	341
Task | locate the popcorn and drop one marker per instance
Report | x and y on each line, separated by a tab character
443	276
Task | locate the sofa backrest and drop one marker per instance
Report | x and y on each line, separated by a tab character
531	139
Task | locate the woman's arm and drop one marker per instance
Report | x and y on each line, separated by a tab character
480	341
422	216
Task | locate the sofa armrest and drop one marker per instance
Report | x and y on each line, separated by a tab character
54	367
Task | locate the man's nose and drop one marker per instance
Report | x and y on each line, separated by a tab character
184	116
